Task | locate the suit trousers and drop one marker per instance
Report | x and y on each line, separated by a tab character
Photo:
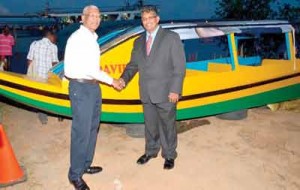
86	108
160	129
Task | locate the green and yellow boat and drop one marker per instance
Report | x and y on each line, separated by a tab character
230	66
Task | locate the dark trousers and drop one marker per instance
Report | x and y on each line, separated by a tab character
160	129
85	103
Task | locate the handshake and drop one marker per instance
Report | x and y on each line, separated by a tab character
118	84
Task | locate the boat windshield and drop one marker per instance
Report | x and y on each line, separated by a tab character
119	34
106	32
109	31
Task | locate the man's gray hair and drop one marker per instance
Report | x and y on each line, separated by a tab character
148	9
86	8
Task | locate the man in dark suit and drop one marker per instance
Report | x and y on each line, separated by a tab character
159	57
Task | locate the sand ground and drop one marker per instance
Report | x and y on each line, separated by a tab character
261	152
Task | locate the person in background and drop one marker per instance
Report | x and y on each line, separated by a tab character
82	69
41	57
159	58
7	42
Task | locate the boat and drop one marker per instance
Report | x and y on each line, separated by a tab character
230	66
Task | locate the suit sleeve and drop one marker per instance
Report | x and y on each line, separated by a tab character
178	61
132	67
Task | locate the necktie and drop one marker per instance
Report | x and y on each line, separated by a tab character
148	45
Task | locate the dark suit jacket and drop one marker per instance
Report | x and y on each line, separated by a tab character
162	71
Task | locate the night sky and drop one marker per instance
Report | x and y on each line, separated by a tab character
175	9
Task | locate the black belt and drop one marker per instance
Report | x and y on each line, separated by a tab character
90	81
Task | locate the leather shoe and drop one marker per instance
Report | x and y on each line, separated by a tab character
79	184
93	170
145	158
169	164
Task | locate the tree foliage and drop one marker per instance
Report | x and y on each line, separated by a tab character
244	9
289	12
256	10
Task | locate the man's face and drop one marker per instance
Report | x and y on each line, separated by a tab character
53	38
150	21
91	19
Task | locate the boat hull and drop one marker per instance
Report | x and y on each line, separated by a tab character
192	105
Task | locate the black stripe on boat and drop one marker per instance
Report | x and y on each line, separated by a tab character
136	102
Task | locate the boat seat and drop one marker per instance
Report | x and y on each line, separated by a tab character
250	61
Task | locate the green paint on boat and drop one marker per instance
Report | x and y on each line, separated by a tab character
279	95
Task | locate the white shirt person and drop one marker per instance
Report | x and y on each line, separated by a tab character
82	69
82	57
42	56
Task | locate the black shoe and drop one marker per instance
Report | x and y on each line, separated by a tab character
79	184
145	158
93	170
169	164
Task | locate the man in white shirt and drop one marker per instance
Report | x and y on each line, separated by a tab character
41	57
82	57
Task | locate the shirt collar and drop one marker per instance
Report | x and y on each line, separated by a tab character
46	40
85	29
153	34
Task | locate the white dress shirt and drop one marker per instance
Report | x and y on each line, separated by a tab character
42	53
153	35
82	57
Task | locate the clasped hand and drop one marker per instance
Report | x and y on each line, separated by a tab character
118	84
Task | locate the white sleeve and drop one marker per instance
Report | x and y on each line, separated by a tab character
101	76
30	53
54	54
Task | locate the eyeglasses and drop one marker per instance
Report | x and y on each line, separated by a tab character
93	16
148	18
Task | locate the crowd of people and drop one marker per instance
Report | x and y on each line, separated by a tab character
41	57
